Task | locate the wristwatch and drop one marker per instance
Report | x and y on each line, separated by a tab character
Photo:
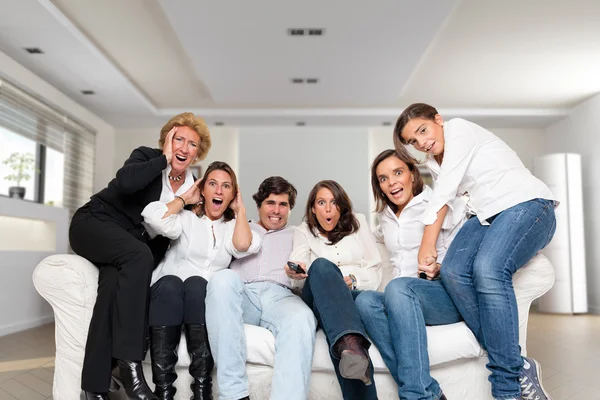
351	276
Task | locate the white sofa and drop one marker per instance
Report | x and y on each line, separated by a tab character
69	283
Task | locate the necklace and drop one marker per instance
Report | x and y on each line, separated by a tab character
174	178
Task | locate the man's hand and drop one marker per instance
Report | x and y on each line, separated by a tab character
293	275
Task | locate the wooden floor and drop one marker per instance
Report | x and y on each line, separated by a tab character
568	347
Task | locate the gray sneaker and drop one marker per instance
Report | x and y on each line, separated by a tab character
531	381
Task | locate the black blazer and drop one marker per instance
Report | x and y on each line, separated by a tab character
138	183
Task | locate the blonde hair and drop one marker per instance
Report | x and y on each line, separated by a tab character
193	122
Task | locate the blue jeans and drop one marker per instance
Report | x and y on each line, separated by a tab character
229	304
477	273
395	321
333	304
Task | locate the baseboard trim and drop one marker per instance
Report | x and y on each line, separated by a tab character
594	310
23	325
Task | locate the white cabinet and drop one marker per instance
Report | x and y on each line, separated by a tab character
562	173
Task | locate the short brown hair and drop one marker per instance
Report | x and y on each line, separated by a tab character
275	185
219	166
347	225
416	110
193	122
381	200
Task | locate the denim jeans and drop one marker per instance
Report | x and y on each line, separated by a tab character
229	304
395	321
333	304
477	273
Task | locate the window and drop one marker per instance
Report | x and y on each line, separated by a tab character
13	143
63	149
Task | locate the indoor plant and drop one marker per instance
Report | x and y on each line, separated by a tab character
22	166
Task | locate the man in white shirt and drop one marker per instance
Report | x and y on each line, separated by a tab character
257	290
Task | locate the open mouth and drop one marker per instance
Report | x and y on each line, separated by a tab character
328	219
180	158
397	192
430	147
217	202
274	218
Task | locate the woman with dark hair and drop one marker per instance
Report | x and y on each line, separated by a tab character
204	240
337	250
514	220
109	232
395	320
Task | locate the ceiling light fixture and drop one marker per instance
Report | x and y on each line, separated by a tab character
34	50
316	32
88	92
300	123
295	32
297	80
219	123
386	123
312	80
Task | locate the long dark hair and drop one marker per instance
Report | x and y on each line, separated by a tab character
347	225
228	215
381	200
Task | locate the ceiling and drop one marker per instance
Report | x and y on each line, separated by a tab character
509	63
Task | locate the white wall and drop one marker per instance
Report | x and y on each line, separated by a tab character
578	133
224	145
304	156
21	306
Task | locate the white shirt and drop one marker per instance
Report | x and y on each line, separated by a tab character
479	164
167	194
199	246
402	235
355	254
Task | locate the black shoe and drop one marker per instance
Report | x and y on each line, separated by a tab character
201	364
130	376
93	396
164	341
354	358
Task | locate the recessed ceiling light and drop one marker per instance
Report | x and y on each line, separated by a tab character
295	32
88	92
316	32
312	80
300	123
386	123
219	123
34	50
297	80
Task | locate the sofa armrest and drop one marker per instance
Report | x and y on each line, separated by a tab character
531	282
69	283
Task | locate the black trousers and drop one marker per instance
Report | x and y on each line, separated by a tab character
175	302
119	321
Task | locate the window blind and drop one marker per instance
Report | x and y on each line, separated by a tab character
30	117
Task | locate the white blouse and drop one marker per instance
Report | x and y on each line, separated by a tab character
167	194
355	254
199	246
479	164
402	235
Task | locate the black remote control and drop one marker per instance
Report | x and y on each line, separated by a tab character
295	267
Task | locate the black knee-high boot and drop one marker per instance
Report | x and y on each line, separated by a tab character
202	363
164	341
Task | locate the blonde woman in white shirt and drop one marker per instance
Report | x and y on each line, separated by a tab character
514	219
336	248
204	240
395	320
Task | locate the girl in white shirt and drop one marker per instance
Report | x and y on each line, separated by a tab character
337	249
204	239
395	320
514	220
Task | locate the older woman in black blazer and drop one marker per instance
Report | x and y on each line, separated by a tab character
109	232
